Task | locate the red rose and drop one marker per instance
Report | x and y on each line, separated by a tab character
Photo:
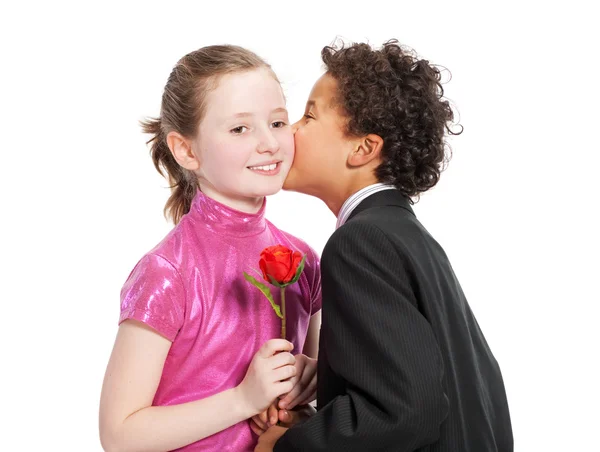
279	262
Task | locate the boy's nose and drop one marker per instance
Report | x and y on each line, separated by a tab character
295	127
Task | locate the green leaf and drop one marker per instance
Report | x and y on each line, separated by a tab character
266	291
299	270
275	282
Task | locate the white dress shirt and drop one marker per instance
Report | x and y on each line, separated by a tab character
354	200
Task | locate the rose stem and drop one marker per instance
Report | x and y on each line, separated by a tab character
283	332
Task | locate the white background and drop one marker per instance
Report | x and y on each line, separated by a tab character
81	201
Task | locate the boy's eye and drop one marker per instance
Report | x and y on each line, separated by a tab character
278	124
238	130
308	117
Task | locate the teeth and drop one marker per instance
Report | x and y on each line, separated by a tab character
265	167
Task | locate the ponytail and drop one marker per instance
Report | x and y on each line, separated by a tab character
183	183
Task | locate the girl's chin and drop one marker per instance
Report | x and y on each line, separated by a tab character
270	188
267	191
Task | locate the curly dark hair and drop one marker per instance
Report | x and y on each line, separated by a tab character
392	93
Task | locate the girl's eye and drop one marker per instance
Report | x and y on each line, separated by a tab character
238	130
308	117
278	124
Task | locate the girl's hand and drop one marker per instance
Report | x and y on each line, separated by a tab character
261	422
305	384
268	375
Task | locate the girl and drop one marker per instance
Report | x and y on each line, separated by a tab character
193	359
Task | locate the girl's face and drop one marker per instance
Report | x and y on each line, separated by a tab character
244	144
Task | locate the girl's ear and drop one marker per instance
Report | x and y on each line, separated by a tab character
181	148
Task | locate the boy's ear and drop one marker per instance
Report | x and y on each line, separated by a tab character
368	149
181	148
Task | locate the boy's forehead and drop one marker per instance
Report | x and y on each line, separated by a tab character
323	92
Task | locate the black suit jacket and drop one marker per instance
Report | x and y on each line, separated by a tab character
403	365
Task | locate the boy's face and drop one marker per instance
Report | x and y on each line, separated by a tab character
322	146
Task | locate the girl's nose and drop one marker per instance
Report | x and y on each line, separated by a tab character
268	144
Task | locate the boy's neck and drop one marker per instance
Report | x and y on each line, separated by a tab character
338	195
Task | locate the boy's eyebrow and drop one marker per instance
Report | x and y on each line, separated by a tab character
311	104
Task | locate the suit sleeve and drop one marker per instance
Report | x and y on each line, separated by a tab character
380	345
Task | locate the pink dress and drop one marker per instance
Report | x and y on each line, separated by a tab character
191	290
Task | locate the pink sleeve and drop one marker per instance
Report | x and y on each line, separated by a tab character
314	280
154	294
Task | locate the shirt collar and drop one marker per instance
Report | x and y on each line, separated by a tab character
353	201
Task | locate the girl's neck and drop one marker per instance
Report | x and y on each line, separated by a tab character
246	205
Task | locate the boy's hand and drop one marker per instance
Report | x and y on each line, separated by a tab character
261	422
305	384
267	441
301	413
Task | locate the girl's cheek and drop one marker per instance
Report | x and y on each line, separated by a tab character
290	145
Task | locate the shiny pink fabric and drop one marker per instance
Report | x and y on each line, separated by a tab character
190	289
